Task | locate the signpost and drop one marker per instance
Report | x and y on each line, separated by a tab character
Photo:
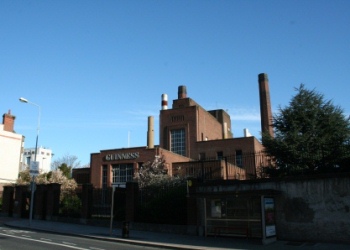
33	171
112	208
34	168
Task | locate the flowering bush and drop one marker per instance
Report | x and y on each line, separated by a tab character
155	173
68	186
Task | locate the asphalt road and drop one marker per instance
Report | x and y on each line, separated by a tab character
11	239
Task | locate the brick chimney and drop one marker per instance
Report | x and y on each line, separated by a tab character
9	121
182	92
265	105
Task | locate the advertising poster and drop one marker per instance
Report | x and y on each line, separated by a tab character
270	227
216	208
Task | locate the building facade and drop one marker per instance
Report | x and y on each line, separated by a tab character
118	166
189	134
43	156
11	146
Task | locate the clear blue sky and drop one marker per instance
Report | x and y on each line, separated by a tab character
98	68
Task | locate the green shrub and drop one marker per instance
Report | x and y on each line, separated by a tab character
71	206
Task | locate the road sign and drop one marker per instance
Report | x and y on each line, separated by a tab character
34	168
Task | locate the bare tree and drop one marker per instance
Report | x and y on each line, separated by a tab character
70	160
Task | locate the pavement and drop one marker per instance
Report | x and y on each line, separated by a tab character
162	240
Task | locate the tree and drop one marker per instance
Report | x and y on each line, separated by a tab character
154	173
311	135
70	161
151	172
66	171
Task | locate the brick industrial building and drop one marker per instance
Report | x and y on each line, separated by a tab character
193	142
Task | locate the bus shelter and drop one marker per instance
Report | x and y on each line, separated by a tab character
249	214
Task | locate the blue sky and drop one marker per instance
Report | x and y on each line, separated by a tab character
98	68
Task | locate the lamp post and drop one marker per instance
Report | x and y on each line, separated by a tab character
36	151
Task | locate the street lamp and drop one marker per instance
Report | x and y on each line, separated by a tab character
36	151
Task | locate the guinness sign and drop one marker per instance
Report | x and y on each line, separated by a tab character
123	156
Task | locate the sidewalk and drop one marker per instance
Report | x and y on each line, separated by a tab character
166	240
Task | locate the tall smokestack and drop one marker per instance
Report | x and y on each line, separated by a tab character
150	132
265	105
224	128
182	92
164	101
9	121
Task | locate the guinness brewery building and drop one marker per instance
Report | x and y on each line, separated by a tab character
193	141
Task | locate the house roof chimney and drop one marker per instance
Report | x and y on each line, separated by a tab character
9	121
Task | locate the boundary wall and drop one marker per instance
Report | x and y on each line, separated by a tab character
307	208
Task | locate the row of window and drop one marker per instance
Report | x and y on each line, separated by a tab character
178	145
178	118
220	156
121	173
33	152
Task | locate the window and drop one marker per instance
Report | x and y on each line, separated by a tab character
178	118
239	158
178	141
220	155
28	160
122	173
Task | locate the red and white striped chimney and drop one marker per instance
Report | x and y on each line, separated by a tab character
164	101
